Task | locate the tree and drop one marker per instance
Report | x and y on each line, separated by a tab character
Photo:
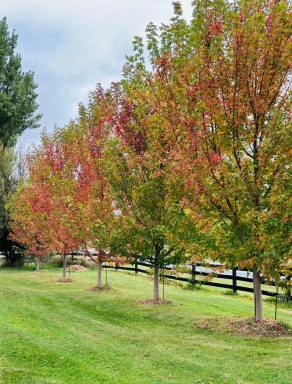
137	167
17	91
17	112
91	215
30	218
9	177
64	205
238	82
39	206
150	111
7	183
48	173
223	94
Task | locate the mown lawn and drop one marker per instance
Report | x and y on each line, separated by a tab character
64	333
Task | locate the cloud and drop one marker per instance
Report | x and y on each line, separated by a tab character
73	44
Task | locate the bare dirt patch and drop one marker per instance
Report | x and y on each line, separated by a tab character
246	327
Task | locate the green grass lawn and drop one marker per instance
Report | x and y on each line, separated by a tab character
65	333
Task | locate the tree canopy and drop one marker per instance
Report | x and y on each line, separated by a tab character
17	91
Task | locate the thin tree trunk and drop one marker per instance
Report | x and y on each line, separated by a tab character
258	307
65	266
99	274
156	296
37	263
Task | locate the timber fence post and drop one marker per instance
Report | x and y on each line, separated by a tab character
193	273
234	280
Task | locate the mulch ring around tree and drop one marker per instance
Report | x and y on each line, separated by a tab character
154	302
99	289
64	280
246	327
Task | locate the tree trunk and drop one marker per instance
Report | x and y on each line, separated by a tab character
156	296
258	307
37	263
65	267
99	274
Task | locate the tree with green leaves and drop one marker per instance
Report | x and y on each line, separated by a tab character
17	91
149	113
8	183
238	82
17	112
225	93
137	167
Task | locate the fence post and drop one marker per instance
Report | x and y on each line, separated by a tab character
105	267
193	273
234	280
288	292
276	302
136	265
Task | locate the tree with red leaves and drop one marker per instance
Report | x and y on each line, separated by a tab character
237	81
49	174
92	211
30	221
221	86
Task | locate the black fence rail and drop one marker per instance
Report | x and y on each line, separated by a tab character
194	273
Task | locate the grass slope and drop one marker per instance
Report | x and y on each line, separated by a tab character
64	333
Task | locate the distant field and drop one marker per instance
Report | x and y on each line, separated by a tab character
65	333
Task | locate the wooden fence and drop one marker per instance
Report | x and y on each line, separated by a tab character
234	278
197	276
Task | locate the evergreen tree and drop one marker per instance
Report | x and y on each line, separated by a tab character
17	91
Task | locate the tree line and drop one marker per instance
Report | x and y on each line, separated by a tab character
187	157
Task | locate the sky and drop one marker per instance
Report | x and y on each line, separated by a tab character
71	45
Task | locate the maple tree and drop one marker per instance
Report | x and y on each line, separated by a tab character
73	211
238	83
48	169
30	221
137	167
93	206
223	92
151	111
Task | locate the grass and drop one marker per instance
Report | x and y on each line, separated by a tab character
64	333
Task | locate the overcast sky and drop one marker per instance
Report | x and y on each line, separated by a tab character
71	45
